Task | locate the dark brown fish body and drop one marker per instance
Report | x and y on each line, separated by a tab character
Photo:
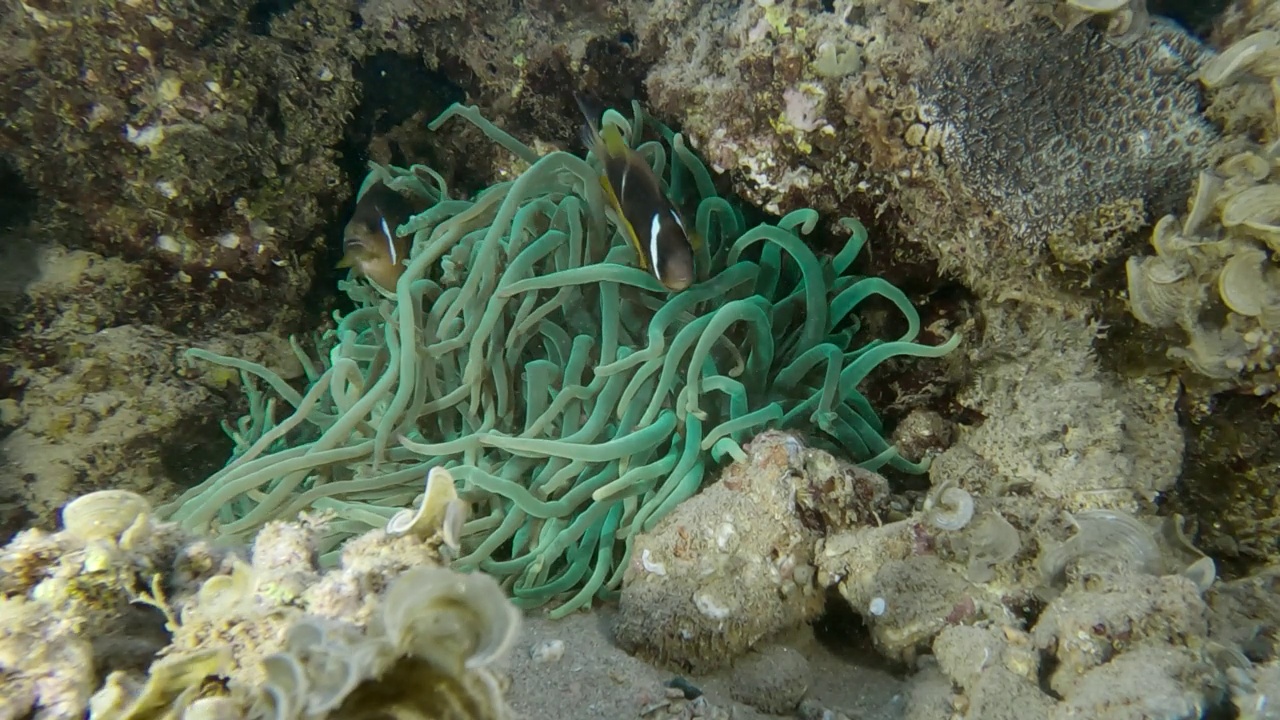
645	214
370	243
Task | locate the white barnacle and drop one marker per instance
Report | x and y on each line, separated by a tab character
547	651
726	536
1238	58
104	515
167	243
709	606
167	189
450	619
1115	538
877	606
993	540
650	566
147	137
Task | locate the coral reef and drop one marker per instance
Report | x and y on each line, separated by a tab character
574	419
1101	440
732	565
981	132
1029	561
194	157
174	133
268	635
104	400
1212	275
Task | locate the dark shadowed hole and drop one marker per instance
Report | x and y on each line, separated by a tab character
139	634
17	198
1196	16
18	253
842	633
394	88
199	449
263	12
1048	664
14	515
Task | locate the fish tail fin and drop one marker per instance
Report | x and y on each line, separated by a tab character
604	141
591	130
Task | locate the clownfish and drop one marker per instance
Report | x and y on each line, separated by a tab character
369	241
641	209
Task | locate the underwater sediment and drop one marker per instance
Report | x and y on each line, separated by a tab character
1063	509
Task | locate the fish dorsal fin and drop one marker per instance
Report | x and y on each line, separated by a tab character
614	143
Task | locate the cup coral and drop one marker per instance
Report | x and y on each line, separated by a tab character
572	397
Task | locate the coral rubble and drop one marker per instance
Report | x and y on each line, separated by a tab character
733	564
1213	274
235	636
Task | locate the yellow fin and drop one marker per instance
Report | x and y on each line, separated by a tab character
623	223
695	239
347	261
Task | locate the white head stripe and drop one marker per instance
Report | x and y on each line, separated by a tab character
653	246
391	240
676	216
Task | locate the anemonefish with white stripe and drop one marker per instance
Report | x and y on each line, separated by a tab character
370	243
641	209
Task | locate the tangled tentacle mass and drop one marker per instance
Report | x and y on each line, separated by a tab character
575	401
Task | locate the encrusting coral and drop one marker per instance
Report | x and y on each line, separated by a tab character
734	564
572	397
270	635
991	141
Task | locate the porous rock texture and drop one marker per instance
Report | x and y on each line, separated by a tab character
985	139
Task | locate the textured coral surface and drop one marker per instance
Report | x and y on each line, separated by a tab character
177	174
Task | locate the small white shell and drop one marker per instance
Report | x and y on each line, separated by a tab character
1208	185
547	651
948	506
1114	537
455	520
992	540
877	606
1251	166
1202	572
1157	297
1170	242
223	594
213	708
1256	207
104	515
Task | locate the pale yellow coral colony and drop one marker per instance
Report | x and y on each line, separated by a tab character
1213	273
